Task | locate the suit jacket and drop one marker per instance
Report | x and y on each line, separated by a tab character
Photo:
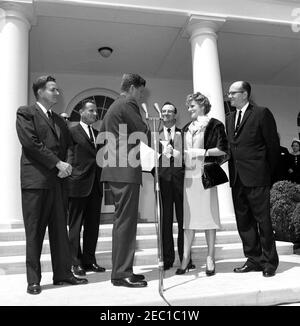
119	133
82	157
255	147
43	146
166	167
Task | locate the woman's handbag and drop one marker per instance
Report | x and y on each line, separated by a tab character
213	175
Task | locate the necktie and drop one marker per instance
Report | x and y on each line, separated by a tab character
172	144
170	137
49	113
238	121
91	135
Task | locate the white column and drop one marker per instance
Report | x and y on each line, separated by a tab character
207	80
14	38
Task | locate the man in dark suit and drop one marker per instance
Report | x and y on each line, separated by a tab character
171	177
121	169
254	147
85	192
45	138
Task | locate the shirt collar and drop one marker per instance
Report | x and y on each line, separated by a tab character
244	108
172	128
83	124
43	108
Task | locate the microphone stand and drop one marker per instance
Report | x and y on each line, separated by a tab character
158	201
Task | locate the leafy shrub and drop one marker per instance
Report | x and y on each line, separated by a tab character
285	211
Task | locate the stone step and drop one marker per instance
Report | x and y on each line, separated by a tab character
16	264
191	290
18	234
16	248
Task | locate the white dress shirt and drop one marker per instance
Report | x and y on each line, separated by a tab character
86	129
243	109
166	134
44	109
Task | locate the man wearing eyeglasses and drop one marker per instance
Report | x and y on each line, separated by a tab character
254	147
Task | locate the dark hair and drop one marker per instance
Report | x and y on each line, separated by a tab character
201	99
169	103
295	141
131	79
86	101
247	88
40	83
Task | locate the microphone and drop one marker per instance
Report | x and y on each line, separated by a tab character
144	107
157	109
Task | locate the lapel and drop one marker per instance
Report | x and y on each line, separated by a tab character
43	116
177	138
86	137
247	114
56	124
231	124
162	135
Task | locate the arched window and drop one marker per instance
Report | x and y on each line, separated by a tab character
101	96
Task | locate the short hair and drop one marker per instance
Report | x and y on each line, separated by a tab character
169	103
201	99
247	88
40	83
86	101
132	79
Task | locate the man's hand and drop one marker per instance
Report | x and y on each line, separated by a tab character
168	150
65	169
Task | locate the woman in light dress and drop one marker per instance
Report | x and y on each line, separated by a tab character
204	140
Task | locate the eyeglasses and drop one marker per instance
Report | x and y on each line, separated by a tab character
66	118
234	92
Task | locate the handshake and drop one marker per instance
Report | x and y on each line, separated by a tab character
65	169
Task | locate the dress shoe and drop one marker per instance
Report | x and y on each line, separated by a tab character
71	280
34	288
210	267
78	270
94	268
247	268
268	273
129	282
138	277
181	271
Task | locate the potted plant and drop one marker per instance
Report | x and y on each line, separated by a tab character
285	211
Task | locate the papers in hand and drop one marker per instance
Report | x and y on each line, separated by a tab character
148	156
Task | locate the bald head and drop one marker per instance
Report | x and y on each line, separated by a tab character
242	85
239	93
65	116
